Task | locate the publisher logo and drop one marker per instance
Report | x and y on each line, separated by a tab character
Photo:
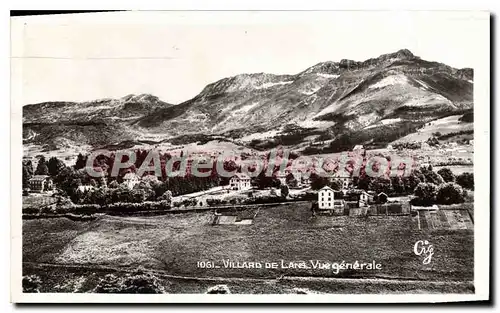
425	249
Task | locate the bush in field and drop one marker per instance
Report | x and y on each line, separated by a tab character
167	196
447	174
218	289
431	176
425	193
215	202
137	283
450	193
142	284
466	180
31	284
189	202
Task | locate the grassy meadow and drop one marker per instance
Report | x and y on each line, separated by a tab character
173	244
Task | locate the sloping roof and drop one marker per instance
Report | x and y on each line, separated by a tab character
356	191
326	188
85	188
241	176
39	177
130	176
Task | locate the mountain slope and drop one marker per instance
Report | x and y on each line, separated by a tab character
323	102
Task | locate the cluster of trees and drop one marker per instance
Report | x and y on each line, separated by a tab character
447	193
448	189
145	190
407	145
453	134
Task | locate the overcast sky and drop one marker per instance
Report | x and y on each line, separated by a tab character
173	55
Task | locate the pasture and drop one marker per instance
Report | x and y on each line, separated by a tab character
174	244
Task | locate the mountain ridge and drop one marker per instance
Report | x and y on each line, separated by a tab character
326	100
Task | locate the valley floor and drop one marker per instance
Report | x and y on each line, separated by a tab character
71	256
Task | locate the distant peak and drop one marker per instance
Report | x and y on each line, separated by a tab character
405	53
144	97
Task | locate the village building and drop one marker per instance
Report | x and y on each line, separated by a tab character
425	146
358	149
85	188
325	198
130	180
281	177
360	196
382	197
240	181
40	183
343	176
426	161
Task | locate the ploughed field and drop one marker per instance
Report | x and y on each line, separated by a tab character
62	252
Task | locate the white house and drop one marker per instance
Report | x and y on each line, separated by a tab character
40	183
343	176
359	149
326	198
281	177
130	180
240	181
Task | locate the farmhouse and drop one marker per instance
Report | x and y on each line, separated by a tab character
240	181
358	195
382	197
40	183
358	149
281	177
130	180
326	199
343	176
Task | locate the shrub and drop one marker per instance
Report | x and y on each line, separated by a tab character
218	289
450	193
425	193
432	177
136	283
32	284
446	174
466	180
